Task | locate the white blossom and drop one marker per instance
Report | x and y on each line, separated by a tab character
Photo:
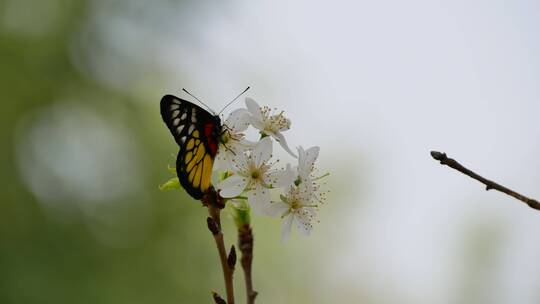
253	173
306	161
297	208
269	123
298	205
306	172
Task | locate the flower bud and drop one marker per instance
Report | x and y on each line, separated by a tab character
231	259
217	298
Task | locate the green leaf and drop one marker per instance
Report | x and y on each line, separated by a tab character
171	184
172	170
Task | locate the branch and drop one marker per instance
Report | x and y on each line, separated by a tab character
444	160
245	244
213	202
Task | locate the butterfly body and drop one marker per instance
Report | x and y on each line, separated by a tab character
197	133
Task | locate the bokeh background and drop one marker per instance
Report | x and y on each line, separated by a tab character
376	84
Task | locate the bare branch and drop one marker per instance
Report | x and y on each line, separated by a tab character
444	160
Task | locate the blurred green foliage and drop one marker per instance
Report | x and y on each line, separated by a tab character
70	233
49	256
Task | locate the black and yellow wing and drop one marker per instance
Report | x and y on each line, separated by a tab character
197	133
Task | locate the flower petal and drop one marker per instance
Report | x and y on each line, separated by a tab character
238	120
257	124
254	108
303	220
312	154
232	186
229	155
240	146
259	199
281	140
277	209
306	160
241	162
221	163
286	226
281	178
262	152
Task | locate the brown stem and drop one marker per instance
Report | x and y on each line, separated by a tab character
220	244
245	244
444	160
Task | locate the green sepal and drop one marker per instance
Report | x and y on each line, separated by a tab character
263	134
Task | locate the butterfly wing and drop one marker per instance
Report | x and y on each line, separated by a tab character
196	131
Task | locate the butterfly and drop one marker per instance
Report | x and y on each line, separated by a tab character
197	132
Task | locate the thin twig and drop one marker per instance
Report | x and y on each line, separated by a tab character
444	160
214	225
245	244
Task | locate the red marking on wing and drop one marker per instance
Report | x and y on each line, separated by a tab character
212	143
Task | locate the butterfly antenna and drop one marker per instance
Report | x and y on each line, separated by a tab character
198	100
230	102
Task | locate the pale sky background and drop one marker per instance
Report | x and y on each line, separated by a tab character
376	84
